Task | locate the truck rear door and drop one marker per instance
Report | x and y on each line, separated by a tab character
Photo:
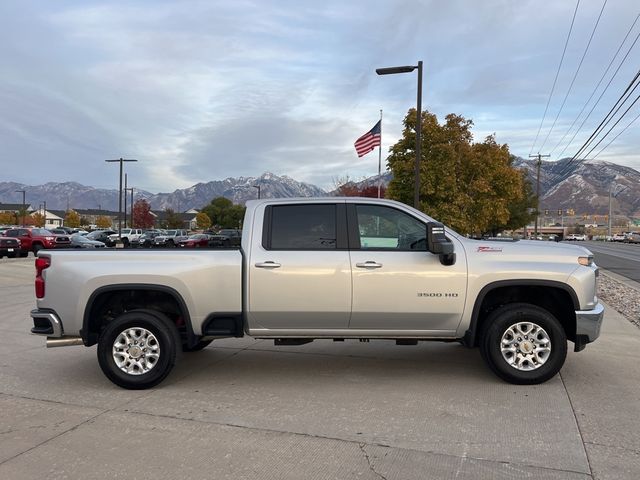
299	273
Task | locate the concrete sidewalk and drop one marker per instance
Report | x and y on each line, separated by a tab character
247	409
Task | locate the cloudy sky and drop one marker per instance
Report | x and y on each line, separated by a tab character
200	90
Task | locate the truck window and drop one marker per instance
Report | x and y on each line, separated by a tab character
303	227
385	228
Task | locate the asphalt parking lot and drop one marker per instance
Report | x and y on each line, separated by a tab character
247	409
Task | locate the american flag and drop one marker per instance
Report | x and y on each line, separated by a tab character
368	141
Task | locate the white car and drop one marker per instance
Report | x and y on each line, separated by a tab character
128	235
577	237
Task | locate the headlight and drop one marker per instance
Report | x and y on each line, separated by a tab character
586	261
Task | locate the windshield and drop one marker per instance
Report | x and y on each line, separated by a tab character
41	232
171	233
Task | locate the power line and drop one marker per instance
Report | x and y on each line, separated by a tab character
612	113
600	97
614	125
546	108
614	138
584	54
605	121
598	84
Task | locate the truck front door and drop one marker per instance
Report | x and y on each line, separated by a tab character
397	284
299	273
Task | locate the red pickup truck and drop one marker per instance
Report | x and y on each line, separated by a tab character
35	239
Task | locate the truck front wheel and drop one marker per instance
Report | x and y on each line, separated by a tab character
137	350
523	344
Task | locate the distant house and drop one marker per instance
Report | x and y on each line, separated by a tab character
15	209
51	220
55	218
188	218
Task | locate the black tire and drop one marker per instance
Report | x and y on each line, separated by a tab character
202	344
167	339
125	242
171	244
36	248
24	254
498	324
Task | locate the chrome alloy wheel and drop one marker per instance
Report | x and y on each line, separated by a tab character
525	346
136	351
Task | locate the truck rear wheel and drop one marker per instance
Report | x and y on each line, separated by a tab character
137	350
523	344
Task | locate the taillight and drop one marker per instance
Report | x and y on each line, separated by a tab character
41	264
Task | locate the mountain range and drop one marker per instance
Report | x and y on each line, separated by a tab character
579	185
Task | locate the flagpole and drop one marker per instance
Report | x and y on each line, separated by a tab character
380	155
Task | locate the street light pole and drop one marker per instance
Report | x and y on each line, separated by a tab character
258	187
121	160
23	204
612	188
407	69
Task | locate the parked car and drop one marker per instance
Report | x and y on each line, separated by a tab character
618	237
632	237
102	236
198	240
577	237
146	239
170	239
80	241
35	239
9	247
227	237
127	235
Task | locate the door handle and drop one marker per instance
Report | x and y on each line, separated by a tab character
268	264
369	264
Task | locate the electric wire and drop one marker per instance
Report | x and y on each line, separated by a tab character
601	95
624	40
614	125
614	138
621	100
573	80
555	80
614	110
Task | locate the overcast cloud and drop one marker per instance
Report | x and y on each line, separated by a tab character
204	90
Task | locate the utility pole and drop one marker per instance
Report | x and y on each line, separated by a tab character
125	200
538	163
121	160
24	207
125	210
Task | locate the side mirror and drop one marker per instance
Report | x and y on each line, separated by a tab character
439	244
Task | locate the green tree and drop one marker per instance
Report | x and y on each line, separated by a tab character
203	221
172	219
224	213
142	217
469	186
72	219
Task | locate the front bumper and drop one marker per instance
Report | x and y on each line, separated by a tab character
588	324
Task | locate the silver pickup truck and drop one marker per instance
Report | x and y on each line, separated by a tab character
327	268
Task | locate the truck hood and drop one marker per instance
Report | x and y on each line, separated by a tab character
525	250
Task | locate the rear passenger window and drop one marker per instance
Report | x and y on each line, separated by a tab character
303	227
